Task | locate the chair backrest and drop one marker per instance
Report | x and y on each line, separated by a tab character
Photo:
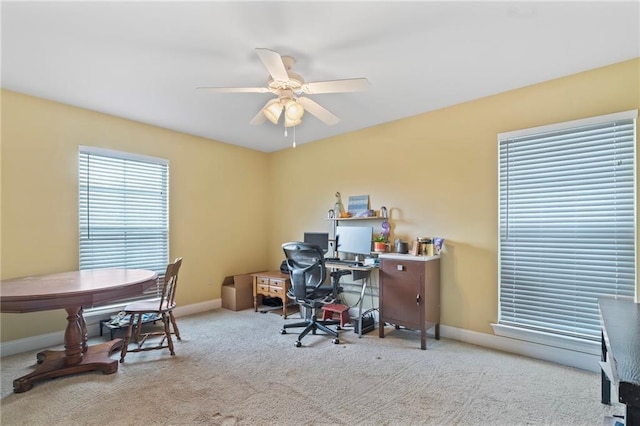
306	267
170	284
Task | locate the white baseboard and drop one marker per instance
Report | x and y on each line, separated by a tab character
566	357
196	308
56	338
570	358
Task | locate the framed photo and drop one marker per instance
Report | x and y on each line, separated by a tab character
358	205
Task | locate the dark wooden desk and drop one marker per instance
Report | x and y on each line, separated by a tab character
621	354
71	291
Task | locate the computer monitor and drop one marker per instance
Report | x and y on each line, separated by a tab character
319	239
354	239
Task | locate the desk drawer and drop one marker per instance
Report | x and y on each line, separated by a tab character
263	288
262	280
402	268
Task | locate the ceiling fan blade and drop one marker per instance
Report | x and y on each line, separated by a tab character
260	117
273	62
235	89
336	86
320	112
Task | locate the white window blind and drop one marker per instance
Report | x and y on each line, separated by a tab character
123	210
567	223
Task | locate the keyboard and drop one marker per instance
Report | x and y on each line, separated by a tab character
343	262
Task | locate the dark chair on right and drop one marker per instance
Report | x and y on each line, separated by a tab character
308	275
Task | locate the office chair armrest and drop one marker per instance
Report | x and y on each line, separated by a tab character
335	281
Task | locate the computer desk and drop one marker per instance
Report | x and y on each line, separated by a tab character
357	273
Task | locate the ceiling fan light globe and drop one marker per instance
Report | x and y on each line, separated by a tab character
291	123
272	110
293	110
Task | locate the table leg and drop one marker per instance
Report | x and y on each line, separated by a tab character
77	356
284	300
363	291
255	296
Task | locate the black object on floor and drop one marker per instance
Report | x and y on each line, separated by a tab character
368	324
271	301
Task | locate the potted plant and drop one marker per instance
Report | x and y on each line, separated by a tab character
380	243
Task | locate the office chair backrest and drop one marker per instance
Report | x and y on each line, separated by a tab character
306	267
170	284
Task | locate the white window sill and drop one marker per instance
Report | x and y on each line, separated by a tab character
548	339
94	315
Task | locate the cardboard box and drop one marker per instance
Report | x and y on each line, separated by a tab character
237	292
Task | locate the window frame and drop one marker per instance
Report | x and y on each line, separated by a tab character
506	329
119	192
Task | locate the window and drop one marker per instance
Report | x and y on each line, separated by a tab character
123	210
567	223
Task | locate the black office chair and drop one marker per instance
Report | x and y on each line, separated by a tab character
308	274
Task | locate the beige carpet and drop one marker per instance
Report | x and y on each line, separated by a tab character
236	368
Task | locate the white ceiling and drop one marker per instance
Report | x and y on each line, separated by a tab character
143	60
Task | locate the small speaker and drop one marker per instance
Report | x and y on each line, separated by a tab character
368	324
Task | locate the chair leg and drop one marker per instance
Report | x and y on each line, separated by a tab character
175	326
127	338
326	329
167	332
138	327
310	327
296	324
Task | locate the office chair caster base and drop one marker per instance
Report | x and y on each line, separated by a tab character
283	331
336	341
298	343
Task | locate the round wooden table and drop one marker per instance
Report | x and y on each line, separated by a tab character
71	291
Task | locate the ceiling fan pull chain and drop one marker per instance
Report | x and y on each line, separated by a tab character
294	136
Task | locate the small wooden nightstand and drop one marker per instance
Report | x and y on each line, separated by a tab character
272	284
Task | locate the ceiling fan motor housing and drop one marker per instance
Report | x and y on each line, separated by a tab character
295	80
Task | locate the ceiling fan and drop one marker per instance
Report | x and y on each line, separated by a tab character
290	89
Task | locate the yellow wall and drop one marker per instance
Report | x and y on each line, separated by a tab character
436	172
213	194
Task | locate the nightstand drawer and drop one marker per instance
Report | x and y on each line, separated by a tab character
262	280
263	288
276	282
276	291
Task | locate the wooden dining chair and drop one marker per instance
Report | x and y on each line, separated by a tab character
139	312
